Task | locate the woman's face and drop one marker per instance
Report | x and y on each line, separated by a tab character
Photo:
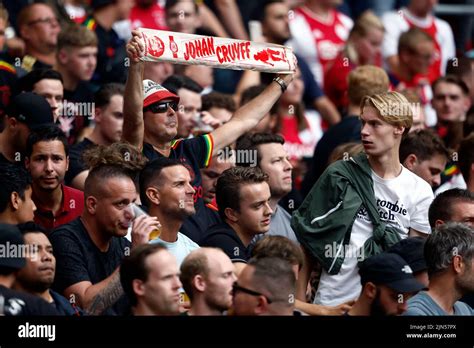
294	93
369	47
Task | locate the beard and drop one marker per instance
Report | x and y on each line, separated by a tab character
377	310
465	284
218	305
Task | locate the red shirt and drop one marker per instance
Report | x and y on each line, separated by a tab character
329	37
336	81
72	206
152	17
434	70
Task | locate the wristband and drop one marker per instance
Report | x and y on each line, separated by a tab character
282	83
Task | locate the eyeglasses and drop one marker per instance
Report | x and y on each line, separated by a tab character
236	287
158	108
49	20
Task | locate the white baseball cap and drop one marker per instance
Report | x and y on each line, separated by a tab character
153	92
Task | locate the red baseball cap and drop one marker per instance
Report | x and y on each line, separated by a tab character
153	92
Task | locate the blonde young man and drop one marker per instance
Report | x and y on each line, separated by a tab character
361	206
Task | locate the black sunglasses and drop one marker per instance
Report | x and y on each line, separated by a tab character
236	287
158	108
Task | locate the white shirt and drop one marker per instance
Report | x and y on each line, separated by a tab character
402	202
180	249
395	24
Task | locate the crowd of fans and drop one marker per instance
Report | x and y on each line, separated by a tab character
148	188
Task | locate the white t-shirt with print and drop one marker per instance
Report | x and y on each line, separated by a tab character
402	202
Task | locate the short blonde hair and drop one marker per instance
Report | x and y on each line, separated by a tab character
366	80
393	108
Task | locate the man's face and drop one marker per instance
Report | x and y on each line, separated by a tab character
124	7
449	102
389	302
465	280
158	71
430	170
189	106
275	25
210	176
110	211
38	274
255	212
418	119
202	74
160	292
52	91
378	137
419	59
463	212
176	192
276	163
423	7
110	119
161	126
48	164
243	302
219	281
183	17
26	208
80	61
42	29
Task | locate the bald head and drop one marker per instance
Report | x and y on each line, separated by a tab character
206	265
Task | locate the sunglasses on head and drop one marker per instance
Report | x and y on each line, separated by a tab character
161	107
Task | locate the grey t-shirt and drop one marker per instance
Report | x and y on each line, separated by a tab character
280	225
423	304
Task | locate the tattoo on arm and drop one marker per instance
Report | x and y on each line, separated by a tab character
107	297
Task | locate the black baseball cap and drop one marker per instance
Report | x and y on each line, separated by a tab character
411	249
11	244
31	109
389	269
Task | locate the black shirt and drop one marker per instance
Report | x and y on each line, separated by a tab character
78	258
224	237
77	111
193	153
197	226
76	164
345	131
111	55
15	303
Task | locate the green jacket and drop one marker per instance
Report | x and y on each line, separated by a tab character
328	213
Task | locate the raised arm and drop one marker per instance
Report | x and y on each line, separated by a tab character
248	115
133	126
